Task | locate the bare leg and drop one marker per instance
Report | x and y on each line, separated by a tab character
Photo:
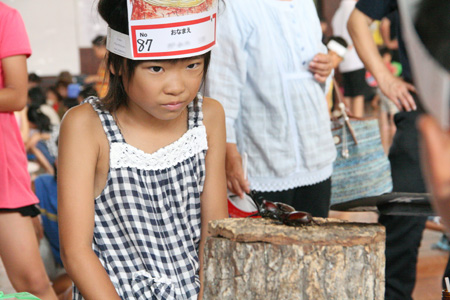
385	133
376	103
67	295
392	127
20	255
348	103
358	106
61	284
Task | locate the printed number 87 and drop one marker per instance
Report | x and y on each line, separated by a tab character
142	43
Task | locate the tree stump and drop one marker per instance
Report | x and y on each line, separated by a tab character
248	259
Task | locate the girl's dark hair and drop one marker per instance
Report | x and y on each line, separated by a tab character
384	50
99	41
33	77
340	40
62	83
114	12
70	102
36	117
36	96
87	92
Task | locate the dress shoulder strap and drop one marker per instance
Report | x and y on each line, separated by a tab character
195	112
109	124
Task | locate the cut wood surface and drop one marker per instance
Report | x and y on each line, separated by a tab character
260	259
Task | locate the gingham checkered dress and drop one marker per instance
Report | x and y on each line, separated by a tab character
147	219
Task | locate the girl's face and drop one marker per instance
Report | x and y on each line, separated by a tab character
51	97
164	89
99	51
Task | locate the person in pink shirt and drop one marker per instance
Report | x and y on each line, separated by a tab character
18	244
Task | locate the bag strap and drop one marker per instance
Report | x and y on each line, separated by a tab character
343	109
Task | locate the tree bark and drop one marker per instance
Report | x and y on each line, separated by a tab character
258	259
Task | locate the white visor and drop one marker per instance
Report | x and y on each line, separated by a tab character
336	47
166	29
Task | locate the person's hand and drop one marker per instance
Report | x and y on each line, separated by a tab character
435	158
236	181
392	45
398	91
321	66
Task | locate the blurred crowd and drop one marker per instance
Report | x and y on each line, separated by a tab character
48	100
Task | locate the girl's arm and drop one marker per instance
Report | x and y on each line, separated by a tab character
32	141
79	150
13	96
24	125
214	196
385	31
42	160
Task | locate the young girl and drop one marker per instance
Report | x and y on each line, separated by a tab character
18	245
141	172
37	97
42	140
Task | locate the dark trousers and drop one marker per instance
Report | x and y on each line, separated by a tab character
446	274
403	237
403	234
314	199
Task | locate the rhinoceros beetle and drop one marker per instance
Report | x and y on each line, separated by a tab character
281	212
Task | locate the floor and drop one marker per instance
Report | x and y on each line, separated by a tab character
430	268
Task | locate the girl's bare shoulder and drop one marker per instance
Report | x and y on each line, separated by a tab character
213	112
82	119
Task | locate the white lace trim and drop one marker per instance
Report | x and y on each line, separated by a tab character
293	181
191	143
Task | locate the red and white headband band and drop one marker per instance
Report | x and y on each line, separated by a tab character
166	29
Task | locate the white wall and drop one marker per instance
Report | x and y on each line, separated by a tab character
57	29
90	24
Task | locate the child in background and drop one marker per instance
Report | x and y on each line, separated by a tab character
141	173
100	79
42	141
53	97
62	89
36	97
33	80
18	245
73	90
86	92
337	48
66	77
45	188
352	69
